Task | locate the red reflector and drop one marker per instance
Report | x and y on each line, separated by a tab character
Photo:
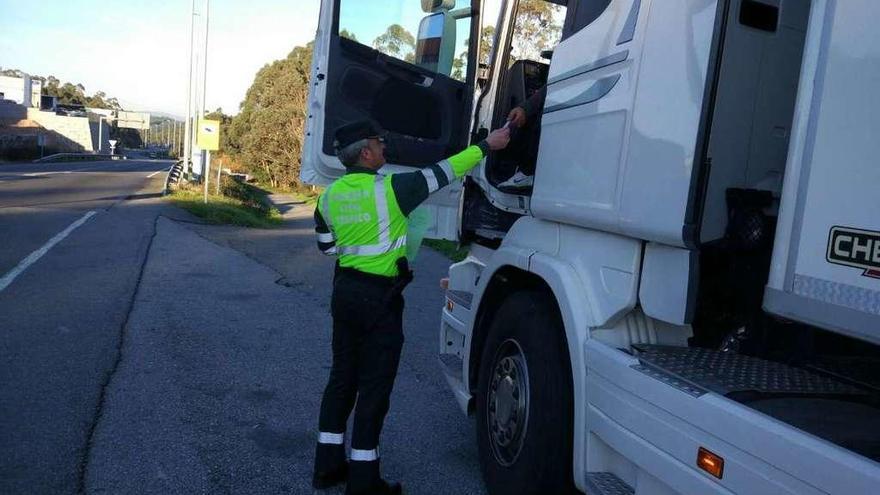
711	463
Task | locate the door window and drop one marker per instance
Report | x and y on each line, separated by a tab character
436	40
538	27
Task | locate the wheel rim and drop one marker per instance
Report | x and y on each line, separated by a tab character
507	414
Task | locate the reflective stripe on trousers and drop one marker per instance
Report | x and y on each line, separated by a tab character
364	455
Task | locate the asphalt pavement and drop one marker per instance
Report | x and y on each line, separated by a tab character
146	353
61	316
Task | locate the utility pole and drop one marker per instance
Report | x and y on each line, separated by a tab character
206	155
205	56
187	140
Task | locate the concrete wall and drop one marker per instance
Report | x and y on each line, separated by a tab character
11	113
76	131
104	134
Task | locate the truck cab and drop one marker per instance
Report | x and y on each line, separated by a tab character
687	299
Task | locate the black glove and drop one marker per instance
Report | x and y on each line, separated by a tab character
404	274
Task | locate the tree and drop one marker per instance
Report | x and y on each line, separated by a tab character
459	65
345	33
267	134
536	29
396	42
68	94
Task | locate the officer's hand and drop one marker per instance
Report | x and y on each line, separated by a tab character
498	139
517	116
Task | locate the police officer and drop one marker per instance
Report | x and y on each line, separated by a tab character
362	219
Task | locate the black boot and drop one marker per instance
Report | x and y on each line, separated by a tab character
331	467
380	487
324	480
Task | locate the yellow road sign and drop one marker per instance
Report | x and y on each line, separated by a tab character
208	135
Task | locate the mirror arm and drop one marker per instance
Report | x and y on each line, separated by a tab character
464	13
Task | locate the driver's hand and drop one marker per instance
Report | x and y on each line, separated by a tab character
498	139
517	116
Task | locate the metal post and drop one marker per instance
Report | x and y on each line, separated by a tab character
100	132
206	157
219	169
196	112
205	174
188	131
205	56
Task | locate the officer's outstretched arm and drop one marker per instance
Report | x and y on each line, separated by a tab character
326	239
411	189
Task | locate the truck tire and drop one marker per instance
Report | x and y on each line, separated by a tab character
525	400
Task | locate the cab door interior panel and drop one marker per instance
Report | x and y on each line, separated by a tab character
421	110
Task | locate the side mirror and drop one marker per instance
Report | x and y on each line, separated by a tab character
435	44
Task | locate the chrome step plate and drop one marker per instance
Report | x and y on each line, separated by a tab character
607	484
724	373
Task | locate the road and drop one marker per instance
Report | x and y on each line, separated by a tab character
61	316
155	356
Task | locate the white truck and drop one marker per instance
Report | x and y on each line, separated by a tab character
687	301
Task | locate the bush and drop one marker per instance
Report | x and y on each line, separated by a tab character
254	211
250	196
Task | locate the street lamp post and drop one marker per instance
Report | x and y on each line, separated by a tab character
100	133
187	139
206	155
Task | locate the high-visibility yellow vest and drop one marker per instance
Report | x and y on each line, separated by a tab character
364	217
369	228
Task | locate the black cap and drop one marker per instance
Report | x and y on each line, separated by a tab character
354	132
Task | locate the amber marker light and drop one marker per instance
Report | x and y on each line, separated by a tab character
711	463
449	305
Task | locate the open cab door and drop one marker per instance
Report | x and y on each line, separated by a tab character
406	64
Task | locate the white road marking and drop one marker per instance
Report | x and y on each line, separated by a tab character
156	172
84	169
36	255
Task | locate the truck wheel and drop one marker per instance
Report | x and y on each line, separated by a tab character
524	400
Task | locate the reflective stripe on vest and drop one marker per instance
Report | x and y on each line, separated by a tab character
382	210
374	250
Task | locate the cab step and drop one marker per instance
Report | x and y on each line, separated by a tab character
607	484
697	371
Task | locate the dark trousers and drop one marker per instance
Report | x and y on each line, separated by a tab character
367	340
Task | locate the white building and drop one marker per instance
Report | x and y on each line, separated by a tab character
22	90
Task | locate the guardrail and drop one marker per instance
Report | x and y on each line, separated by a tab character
174	174
78	157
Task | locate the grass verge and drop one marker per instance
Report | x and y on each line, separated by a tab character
449	249
226	210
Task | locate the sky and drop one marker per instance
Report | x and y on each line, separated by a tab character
137	50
